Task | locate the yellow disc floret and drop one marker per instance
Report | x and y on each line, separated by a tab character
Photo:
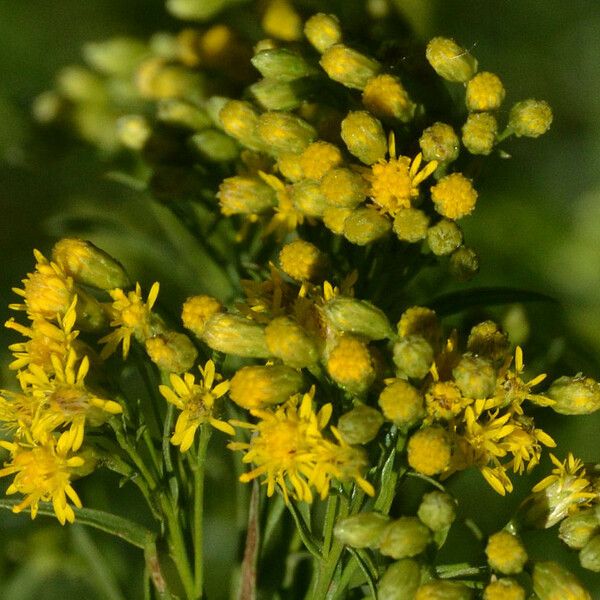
454	196
430	451
485	92
506	553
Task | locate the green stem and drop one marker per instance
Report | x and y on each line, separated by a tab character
199	471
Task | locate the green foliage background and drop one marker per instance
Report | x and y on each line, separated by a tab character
537	226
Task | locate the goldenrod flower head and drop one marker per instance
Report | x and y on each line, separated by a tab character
504	589
245	195
506	553
366	225
475	376
413	355
449	60
360	317
488	340
323	31
437	510
115	56
577	395
287	217
430	450
439	142
88	264
454	196
289	166
281	64
183	114
131	317
484	92
443	590
444	237
17	412
195	10
318	158
197	402
385	97
464	263
578	529
240	121
308	198
419	320
363	530
43	474
402	403
525	444
214	146
403	538
552	581
400	580
171	351
156	79
410	225
289	341
273	94
197	310
302	261
235	335
259	386
343	187
284	132
589	556
350	364
444	401
334	218
364	136
282	22
360	425
530	118
479	133
348	67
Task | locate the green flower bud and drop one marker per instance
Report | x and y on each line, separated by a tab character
118	56
349	67
488	340
410	225
350	364
504	589
360	425
413	355
257	386
484	92
464	264
443	590
363	530
284	132
577	395
235	335
182	114
506	553
308	199
475	376
578	529
402	404
365	225
89	265
530	118
81	85
245	195
444	237
214	145
343	188
589	555
282	64
323	31
552	581
439	142
280	95
196	10
385	97
449	60
47	107
437	510
479	133
400	581
288	341
91	315
358	316
171	351
240	121
404	537
364	137
334	218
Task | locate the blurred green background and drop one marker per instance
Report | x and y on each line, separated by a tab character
537	226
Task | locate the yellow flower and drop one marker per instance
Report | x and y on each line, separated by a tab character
430	450
131	317
485	92
17	411
43	474
287	217
444	401
302	260
197	310
454	196
318	158
282	22
350	364
506	553
385	96
196	401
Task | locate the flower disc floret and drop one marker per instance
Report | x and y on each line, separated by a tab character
454	196
485	92
430	451
506	553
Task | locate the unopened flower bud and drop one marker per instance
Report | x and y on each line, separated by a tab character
235	335
400	581
503	589
464	264
413	355
319	158
437	510
405	537
323	31
443	590
289	166
302	261
197	310
578	529
214	145
357	316
552	581
363	530
156	79
349	67
245	195
410	225
385	97
281	64
282	22
419	320
360	425
430	450
449	60
439	142
289	342
117	56
171	351
454	196
280	95
402	403
47	107
334	218
308	199
589	555
364	136
577	395
350	364
258	386
80	85
475	376
506	553
284	132
344	188
488	340
530	118
444	237
196	10
365	225
240	121
182	114
484	92
479	133
89	265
